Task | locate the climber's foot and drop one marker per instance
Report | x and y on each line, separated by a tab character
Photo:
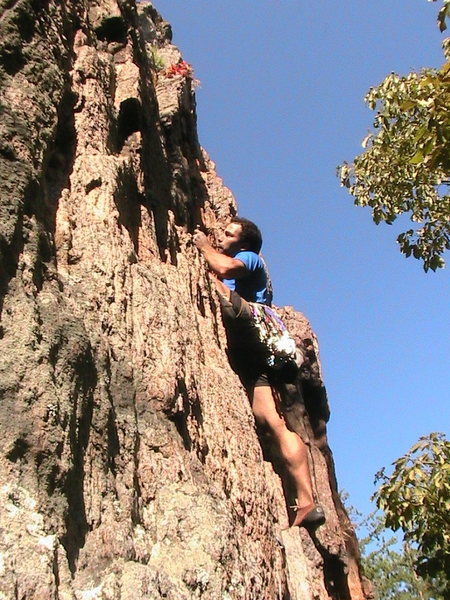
309	517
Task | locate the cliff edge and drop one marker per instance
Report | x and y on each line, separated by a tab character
130	467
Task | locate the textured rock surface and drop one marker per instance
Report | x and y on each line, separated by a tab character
129	462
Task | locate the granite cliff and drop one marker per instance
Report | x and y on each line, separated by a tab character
129	462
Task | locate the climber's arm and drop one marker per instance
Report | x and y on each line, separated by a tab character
224	266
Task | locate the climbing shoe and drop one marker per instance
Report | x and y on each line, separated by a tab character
314	518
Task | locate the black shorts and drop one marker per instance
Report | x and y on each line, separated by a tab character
246	355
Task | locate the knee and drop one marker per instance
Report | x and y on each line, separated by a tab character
276	427
293	454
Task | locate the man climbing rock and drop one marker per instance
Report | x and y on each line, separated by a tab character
241	277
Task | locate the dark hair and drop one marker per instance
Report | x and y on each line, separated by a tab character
250	234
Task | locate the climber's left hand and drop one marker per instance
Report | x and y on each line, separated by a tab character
200	239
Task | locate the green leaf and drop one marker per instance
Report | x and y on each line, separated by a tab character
442	15
417	158
407	105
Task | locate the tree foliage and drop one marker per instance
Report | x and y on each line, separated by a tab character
405	168
443	14
389	566
416	499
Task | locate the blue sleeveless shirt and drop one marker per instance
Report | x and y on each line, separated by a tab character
254	286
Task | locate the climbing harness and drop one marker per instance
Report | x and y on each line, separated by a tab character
282	355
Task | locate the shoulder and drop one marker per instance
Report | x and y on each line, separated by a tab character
250	259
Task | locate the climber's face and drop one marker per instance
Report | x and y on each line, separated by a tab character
230	242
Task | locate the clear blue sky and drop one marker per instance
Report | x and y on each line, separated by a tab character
280	106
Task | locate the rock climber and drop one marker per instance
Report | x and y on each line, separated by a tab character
241	276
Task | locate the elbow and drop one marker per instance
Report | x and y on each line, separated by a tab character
224	273
229	269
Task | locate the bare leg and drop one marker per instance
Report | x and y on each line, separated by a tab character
292	448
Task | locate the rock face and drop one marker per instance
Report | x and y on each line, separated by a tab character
129	462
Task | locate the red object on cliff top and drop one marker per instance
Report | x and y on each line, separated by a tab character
181	68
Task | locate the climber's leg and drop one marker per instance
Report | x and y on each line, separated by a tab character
292	448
